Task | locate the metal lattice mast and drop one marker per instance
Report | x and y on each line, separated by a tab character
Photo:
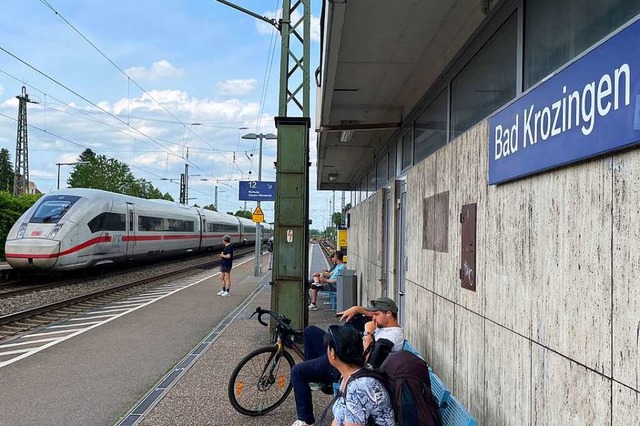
294	58
21	176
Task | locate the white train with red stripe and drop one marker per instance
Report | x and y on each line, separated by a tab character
79	228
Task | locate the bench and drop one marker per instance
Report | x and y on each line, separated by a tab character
452	412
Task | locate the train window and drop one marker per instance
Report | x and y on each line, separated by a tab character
150	223
108	222
221	227
52	208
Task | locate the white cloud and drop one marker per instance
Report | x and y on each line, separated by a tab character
160	69
188	108
236	87
267	29
1	90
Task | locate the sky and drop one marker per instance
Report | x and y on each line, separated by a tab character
145	82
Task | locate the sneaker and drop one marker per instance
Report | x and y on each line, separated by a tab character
313	307
221	292
301	423
315	386
225	294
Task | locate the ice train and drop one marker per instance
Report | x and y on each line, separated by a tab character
79	228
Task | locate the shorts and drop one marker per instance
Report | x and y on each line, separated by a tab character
225	268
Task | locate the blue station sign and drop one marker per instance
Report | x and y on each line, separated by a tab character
587	109
254	190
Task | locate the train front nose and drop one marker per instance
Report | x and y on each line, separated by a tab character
32	253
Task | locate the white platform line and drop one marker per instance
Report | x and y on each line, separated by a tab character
74	325
31	342
54	332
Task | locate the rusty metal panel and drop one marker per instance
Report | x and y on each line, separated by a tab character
435	233
468	266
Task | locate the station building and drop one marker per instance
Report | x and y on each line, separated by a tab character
489	152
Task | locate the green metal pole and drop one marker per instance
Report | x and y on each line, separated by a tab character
291	230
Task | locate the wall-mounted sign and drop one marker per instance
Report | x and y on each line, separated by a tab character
254	190
589	108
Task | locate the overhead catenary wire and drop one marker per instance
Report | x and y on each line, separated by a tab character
130	80
155	140
31	126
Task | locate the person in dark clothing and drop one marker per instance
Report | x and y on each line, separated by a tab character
226	263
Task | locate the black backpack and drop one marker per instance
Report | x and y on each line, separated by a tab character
409	385
406	378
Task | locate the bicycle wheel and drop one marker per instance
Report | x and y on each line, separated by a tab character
260	382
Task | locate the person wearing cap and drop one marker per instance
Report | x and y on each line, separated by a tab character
383	329
383	325
325	279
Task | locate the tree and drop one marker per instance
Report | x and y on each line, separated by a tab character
244	213
109	174
6	171
11	208
336	219
211	207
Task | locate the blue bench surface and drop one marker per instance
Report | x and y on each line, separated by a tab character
455	414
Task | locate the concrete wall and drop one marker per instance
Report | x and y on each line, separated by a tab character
552	334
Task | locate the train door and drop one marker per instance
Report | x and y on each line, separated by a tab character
131	230
203	224
401	259
389	249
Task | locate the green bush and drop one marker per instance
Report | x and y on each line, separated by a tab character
11	208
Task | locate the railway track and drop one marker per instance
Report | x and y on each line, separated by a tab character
23	321
34	283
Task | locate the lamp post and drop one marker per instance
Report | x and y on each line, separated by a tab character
260	137
68	164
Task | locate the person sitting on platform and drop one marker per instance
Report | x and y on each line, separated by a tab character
382	335
325	280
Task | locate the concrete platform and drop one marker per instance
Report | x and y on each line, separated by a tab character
199	395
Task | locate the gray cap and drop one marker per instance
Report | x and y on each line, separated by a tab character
383	304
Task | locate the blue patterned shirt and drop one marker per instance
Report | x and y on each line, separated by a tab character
365	397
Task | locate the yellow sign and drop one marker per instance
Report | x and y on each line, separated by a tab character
258	215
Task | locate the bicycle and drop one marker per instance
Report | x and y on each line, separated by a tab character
262	381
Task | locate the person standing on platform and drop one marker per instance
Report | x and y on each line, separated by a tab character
270	250
226	263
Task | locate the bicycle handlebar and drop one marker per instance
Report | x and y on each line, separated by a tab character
283	322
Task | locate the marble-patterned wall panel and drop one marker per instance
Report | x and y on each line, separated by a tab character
507	369
471	172
447	264
508	257
571	257
357	244
566	393
626	268
419	309
626	406
468	384
420	185
440	348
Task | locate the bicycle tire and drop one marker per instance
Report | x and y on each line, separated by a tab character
248	384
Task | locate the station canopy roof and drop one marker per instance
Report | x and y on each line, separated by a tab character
379	57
